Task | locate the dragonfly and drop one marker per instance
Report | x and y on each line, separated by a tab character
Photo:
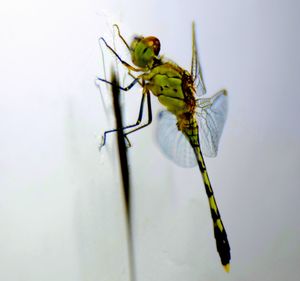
191	124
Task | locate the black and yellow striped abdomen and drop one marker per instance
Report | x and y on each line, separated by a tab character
190	129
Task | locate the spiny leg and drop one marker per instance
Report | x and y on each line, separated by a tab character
149	116
112	50
139	120
121	37
127	65
140	116
121	88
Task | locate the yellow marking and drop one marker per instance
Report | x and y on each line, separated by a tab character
205	177
227	267
200	158
206	180
219	224
212	204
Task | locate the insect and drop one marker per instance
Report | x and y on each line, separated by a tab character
190	124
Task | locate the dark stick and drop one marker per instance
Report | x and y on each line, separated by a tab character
124	170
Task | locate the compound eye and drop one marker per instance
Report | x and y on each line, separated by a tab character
153	43
156	46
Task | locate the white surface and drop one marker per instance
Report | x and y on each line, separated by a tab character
61	213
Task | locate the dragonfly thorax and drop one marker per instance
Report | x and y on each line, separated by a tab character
144	51
173	86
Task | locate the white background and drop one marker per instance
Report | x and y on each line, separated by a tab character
61	208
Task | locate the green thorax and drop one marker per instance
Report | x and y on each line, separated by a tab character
173	87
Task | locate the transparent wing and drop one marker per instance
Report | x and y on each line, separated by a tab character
211	115
172	142
196	71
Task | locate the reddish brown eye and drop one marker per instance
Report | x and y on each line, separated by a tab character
154	43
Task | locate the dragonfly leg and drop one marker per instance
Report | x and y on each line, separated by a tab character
127	65
121	37
121	88
141	113
139	120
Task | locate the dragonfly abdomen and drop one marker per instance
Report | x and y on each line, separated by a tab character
222	243
223	248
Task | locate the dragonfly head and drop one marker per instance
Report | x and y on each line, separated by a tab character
144	51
